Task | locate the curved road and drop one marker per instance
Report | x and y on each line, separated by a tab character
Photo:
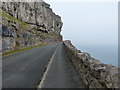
26	69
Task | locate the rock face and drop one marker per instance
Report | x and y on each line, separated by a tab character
27	24
93	73
38	14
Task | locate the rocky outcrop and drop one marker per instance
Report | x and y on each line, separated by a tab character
93	73
27	24
38	14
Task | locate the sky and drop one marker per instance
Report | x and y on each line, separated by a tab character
88	23
81	0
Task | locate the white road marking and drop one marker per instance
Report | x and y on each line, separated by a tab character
46	72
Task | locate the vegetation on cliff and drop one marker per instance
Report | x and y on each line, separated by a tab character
28	28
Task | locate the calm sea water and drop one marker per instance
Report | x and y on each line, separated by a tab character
106	54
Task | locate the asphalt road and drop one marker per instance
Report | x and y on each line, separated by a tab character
27	69
61	73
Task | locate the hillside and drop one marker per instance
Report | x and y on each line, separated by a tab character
27	24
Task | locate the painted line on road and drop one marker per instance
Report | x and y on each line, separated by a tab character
46	72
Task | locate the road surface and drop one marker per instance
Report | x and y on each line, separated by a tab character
28	68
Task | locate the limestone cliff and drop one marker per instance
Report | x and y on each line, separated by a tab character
27	24
38	14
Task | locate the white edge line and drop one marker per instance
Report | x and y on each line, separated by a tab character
46	72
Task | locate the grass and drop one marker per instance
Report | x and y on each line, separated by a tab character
12	19
15	51
50	35
23	26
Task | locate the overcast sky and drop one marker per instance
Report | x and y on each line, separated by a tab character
93	23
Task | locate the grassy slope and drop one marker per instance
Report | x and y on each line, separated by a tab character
22	23
12	19
22	26
15	51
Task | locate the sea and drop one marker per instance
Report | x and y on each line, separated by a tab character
105	54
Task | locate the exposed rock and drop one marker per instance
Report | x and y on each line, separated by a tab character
38	14
6	32
93	72
27	24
